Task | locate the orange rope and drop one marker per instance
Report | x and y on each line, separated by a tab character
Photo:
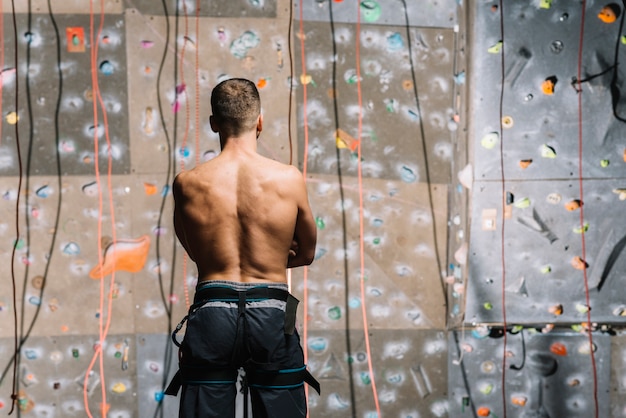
184	87
103	328
305	277
361	222
582	210
197	83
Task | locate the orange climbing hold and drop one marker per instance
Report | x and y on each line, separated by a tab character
525	163
559	349
547	87
126	255
573	205
483	411
608	14
261	83
578	263
518	400
150	188
556	310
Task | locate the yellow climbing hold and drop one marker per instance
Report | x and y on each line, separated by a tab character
12	118
306	79
490	140
522	203
621	193
495	48
119	387
547	151
545	4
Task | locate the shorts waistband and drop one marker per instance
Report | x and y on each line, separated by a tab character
239	292
239	286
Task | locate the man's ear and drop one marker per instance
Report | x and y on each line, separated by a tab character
213	123
259	124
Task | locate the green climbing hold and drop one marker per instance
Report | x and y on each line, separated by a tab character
604	163
320	223
371	10
488	306
376	241
581	229
334	313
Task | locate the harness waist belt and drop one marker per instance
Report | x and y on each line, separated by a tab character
204	294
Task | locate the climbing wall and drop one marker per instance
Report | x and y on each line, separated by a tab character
107	103
464	162
547	174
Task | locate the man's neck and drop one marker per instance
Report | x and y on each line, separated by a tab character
245	144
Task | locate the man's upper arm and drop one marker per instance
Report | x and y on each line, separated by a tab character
178	221
305	233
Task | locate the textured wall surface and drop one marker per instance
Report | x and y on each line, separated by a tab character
444	282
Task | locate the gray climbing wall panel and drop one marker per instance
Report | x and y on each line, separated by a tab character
37	100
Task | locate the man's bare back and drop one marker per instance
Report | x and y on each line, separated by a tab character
237	215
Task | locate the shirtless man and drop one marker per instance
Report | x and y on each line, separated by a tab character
243	220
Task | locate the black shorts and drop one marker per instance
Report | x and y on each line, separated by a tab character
223	337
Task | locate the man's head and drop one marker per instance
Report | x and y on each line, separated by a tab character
236	107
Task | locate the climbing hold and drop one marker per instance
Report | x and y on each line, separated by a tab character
547	87
525	163
486	388
71	248
407	175
158	396
522	203
262	82
37	282
547	151
240	46
148	124
578	263
554	198
620	311
306	79
587	348
581	229
119	387
556	47
556	310
572	205
150	188
610	13
559	349
621	193
582	308
334	313
126	255
12	118
371	10
147	44
483	411
490	140
75	37
604	163
495	48
519	400
488	306
344	140
545	4
395	42
43	191
507	122
106	67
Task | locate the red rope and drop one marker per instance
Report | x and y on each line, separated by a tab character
582	210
